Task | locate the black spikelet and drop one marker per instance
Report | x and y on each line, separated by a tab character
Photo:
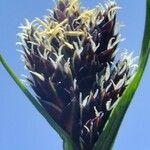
71	55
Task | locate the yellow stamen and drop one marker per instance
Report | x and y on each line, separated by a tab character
69	45
86	15
73	33
52	31
73	6
44	24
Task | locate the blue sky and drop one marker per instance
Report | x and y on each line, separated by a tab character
21	126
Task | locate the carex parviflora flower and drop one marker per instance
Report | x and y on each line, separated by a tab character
77	78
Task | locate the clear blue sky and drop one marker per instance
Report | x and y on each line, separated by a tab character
21	126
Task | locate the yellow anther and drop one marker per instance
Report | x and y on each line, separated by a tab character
86	15
65	43
73	6
73	33
49	31
44	24
69	45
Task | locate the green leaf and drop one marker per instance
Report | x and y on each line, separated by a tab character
68	144
106	140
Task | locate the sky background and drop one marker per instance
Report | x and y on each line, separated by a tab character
21	126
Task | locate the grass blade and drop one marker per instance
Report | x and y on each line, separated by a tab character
106	140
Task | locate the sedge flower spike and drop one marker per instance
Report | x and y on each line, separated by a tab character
71	56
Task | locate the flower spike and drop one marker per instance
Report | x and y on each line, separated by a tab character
74	70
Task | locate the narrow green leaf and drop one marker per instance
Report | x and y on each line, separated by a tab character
106	140
68	144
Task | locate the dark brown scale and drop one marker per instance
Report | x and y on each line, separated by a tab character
59	15
61	6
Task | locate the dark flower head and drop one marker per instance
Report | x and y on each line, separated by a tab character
71	55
